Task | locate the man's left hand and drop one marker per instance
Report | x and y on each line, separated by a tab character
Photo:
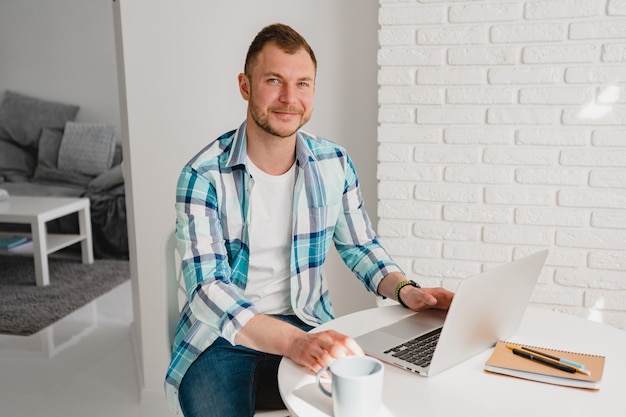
418	299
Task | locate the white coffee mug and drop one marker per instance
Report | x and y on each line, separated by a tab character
357	386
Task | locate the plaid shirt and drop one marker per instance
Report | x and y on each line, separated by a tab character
212	216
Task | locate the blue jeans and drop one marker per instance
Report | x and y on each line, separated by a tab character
232	381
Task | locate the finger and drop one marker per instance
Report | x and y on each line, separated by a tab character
354	348
338	351
428	299
317	363
326	374
312	352
322	353
344	346
347	348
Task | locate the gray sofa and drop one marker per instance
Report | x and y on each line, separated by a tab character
43	152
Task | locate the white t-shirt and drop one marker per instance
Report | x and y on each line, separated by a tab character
271	207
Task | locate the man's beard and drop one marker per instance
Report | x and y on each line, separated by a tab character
262	120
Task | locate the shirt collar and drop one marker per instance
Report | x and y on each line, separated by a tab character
238	148
238	155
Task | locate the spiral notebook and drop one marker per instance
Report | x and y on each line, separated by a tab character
503	361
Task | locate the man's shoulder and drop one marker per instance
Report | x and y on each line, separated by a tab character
214	153
321	146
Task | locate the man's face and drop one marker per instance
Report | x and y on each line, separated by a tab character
279	90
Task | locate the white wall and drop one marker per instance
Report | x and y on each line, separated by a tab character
179	63
61	50
502	132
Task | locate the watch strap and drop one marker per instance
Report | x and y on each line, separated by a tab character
402	285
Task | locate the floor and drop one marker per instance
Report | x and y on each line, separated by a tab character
80	366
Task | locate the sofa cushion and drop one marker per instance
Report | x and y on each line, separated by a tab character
43	190
22	117
87	148
16	163
47	171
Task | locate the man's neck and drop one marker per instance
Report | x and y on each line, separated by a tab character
273	155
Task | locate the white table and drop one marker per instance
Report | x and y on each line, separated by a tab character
468	390
37	211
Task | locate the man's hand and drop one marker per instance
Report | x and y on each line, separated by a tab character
311	350
418	299
319	349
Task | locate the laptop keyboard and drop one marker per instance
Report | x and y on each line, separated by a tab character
418	351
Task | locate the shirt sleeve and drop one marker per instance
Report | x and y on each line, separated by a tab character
355	239
213	297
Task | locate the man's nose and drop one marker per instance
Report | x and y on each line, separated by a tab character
288	94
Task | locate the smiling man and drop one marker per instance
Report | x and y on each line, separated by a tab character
256	212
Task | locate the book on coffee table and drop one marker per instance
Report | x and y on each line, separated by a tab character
12	242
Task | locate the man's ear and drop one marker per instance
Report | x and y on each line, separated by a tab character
244	86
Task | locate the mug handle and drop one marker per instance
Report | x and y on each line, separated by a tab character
318	376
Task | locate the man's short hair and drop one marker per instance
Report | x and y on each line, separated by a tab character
284	36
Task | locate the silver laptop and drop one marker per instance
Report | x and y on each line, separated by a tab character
486	308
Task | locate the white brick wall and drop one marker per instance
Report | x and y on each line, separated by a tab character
502	132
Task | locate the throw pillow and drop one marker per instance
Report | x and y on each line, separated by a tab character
22	117
48	151
87	148
16	163
47	171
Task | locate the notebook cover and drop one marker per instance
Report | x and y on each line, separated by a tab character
503	361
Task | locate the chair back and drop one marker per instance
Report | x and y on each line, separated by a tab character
174	288
175	298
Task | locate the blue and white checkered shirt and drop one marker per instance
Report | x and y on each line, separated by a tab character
212	213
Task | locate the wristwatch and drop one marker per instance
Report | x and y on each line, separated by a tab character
402	285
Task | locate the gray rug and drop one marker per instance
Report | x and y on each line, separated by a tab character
26	308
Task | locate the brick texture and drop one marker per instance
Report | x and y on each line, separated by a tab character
502	132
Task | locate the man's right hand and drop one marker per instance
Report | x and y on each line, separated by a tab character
318	349
311	350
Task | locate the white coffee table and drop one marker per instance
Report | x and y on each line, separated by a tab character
37	211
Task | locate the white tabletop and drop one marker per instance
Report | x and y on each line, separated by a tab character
29	206
467	389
